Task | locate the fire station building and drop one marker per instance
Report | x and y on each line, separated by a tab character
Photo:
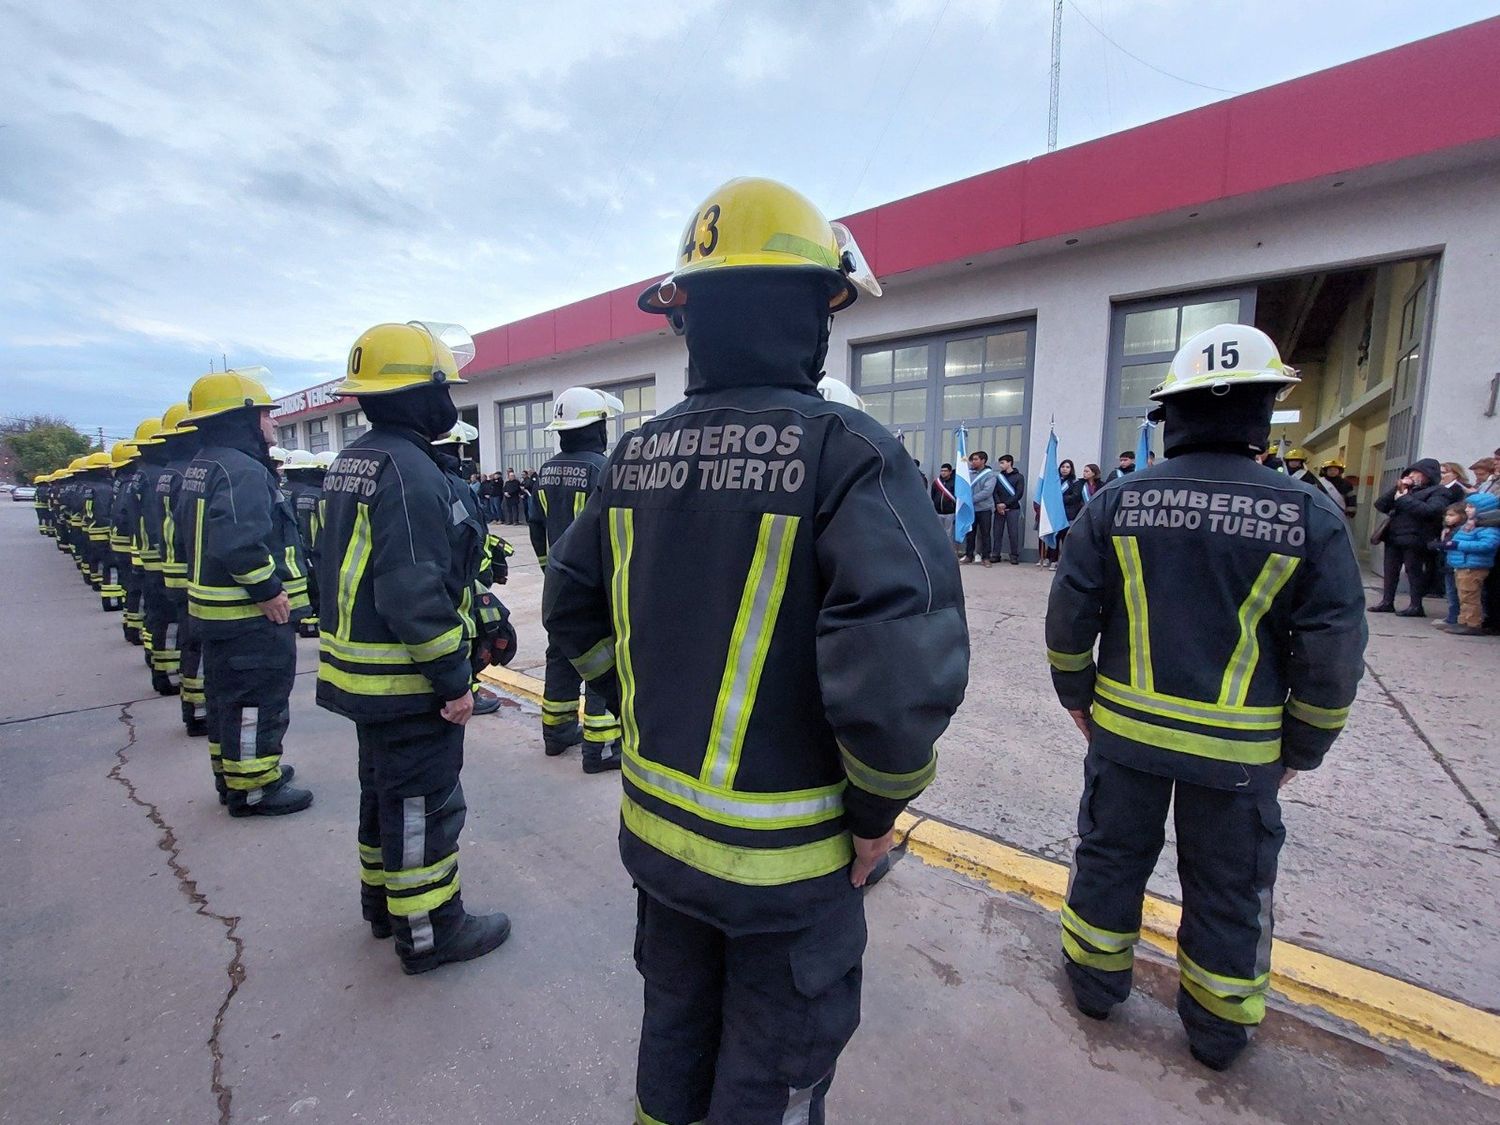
1353	215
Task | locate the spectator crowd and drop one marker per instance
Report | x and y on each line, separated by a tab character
1438	525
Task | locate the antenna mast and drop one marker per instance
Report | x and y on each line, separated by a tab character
1056	75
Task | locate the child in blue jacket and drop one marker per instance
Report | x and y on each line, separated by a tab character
1471	552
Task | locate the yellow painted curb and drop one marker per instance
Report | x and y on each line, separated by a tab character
1387	1008
518	683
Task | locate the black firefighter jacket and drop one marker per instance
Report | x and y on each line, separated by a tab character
1229	615
237	536
399	552
305	497
125	514
759	589
160	544
563	486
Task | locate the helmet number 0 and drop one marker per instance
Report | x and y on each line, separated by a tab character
354	360
1226	355
707	224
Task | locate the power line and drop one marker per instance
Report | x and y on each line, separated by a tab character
1148	65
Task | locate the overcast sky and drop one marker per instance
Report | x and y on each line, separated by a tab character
184	180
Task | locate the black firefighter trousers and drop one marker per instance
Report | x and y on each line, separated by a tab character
411	810
744	1030
1227	847
560	710
248	684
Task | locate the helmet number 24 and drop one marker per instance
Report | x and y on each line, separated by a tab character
1225	355
706	225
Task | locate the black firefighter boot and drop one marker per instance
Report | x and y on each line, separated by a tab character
274	800
600	757
556	740
477	934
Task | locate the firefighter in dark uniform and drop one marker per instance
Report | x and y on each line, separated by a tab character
399	556
98	495
1296	467
73	506
1332	477
1228	612
62	492
580	418
304	486
247	585
124	539
775	729
173	655
42	483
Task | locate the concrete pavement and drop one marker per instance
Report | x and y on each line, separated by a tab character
160	962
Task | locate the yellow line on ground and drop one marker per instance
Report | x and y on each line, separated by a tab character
517	683
1392	1009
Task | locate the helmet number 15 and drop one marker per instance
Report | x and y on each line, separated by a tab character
1225	355
703	235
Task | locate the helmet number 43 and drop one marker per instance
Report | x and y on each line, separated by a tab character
706	226
1225	355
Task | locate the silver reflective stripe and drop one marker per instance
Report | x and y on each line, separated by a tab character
401	881
717	802
250	732
799	1105
421	932
171	641
413	831
1267	923
413	852
743	674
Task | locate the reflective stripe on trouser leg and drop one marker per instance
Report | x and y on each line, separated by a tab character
251	746
427	878
598	724
1121	828
560	689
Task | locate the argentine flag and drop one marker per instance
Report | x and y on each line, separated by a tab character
1052	517
1143	445
963	486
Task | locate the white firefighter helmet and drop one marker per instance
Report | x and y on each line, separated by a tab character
836	390
577	407
324	459
297	459
279	455
1223	357
461	434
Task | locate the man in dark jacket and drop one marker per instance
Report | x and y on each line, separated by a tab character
511	498
1124	468
759	590
1226	604
580	418
1010	492
1415	504
246	585
400	552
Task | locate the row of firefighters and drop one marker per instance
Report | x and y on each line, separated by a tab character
771	629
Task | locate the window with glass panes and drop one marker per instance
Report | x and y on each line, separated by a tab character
640	406
317	435
1144	336
352	424
923	389
524	440
286	436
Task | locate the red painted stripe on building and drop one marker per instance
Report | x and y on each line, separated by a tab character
1415	100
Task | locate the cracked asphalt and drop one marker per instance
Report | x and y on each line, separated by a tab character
160	962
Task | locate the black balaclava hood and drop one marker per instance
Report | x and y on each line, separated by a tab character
238	429
156	453
756	328
1237	421
586	439
427	409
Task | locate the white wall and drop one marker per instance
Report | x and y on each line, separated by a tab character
1070	289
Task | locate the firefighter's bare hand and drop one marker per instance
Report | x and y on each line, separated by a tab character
1082	721
867	854
278	610
1286	776
459	711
